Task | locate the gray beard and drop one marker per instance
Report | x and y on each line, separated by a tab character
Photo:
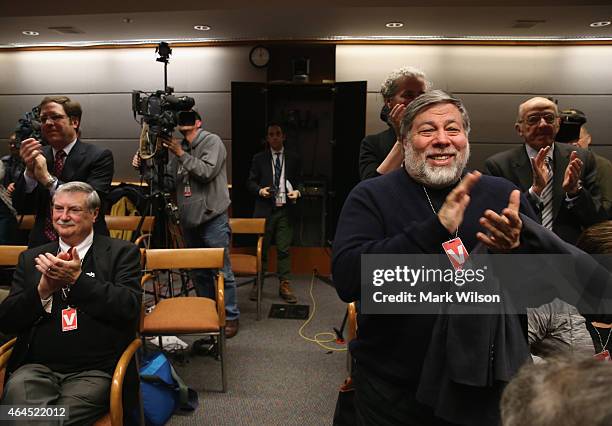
434	177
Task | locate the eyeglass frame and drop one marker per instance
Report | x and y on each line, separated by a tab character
56	118
538	117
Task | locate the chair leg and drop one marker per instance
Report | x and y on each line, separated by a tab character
259	284
222	356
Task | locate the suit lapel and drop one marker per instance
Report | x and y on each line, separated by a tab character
267	169
48	153
521	165
101	256
74	159
561	160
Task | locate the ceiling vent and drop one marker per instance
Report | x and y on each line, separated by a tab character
67	30
527	23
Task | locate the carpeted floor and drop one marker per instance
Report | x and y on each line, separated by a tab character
274	376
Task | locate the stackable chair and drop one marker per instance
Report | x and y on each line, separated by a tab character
9	255
26	221
130	223
249	265
186	315
115	415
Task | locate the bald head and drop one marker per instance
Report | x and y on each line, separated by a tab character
538	122
537	102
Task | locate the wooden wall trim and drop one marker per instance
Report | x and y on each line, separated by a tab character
303	259
213	43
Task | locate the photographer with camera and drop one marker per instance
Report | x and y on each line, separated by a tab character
11	168
64	159
197	171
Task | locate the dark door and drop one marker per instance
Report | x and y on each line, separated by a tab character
249	106
349	130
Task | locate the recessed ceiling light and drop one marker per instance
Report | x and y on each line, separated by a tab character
600	24
394	24
30	33
201	27
127	20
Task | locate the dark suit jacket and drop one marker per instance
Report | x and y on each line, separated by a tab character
373	150
261	176
112	296
569	221
86	163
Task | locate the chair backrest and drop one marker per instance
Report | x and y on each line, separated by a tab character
26	221
10	254
200	258
352	321
129	223
247	226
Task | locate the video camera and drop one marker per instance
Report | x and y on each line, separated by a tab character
28	126
571	122
161	112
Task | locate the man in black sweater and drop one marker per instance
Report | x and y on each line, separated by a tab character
415	210
74	306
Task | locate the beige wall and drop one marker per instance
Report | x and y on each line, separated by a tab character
493	81
103	79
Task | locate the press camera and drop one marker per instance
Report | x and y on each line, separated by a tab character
28	126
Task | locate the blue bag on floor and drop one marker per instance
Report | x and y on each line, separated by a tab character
163	391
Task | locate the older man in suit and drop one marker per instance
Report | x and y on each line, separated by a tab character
558	179
74	305
64	159
275	179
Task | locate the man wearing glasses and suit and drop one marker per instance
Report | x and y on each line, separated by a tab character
558	179
64	159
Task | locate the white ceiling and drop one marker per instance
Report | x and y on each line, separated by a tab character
102	22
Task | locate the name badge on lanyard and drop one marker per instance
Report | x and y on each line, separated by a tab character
456	252
602	356
69	319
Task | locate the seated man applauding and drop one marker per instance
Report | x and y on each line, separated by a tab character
74	304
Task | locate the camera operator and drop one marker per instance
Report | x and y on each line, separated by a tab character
197	171
11	167
64	159
13	164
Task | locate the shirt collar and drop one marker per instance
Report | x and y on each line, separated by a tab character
82	248
277	152
532	152
66	149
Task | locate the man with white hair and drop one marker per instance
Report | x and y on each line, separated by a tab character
382	152
416	209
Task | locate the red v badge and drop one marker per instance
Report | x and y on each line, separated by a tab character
456	252
69	319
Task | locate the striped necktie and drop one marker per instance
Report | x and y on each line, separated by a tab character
278	169
547	198
48	230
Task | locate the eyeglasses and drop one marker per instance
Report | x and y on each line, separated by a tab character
54	118
535	119
76	211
